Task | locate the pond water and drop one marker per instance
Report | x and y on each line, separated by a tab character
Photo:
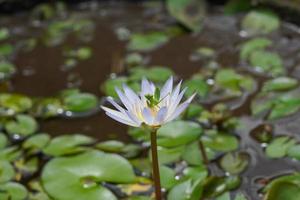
44	67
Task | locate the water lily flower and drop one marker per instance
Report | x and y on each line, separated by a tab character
152	106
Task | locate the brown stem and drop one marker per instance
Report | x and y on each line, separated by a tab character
203	153
155	165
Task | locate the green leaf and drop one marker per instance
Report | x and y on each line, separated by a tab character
187	190
224	196
6	69
284	106
79	177
13	191
253	45
169	155
280	84
36	142
221	142
235	162
294	152
178	133
279	146
15	103
167	177
196	85
4	33
147	41
260	22
7	171
189	13
198	173
109	86
24	125
284	188
155	74
240	196
80	102
111	146
192	154
67	144
267	62
3	141
236	6
6	50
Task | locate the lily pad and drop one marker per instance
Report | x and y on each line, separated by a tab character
196	84
79	177
279	146
109	86
187	190
147	41
178	133
220	142
13	191
3	141
167	176
6	69
294	152
267	62
280	84
235	162
11	104
155	73
7	171
284	188
24	125
67	144
111	146
253	45
260	22
80	102
189	13
37	142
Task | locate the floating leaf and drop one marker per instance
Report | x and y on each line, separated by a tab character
110	85
187	190
221	142
178	133
167	177
197	84
67	144
192	154
3	141
80	102
236	6
6	50
169	155
7	171
147	41
6	69
198	173
235	163
279	84
36	142
284	188
11	104
260	22
47	107
79	177
24	125
155	74
190	13
4	33
13	191
294	152
111	146
279	146
253	45
267	62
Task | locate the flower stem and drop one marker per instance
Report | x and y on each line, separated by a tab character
203	153
155	166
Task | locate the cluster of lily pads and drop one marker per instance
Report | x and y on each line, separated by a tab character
37	166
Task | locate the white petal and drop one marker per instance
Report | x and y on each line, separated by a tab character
119	116
175	92
146	87
180	109
117	106
124	99
130	94
147	116
167	88
161	114
175	103
121	120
